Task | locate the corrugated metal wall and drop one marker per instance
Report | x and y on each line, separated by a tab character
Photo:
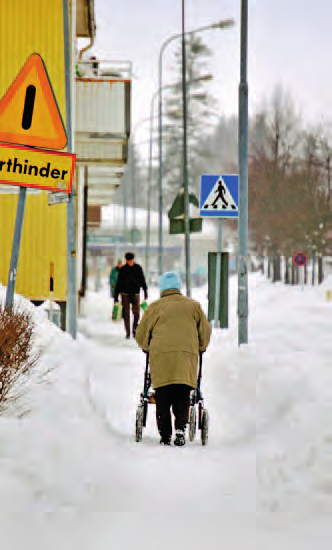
102	116
27	27
100	106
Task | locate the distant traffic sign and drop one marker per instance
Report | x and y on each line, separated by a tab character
300	259
29	114
29	167
56	198
219	196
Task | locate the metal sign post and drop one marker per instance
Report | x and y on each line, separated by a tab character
218	275
243	192
71	251
218	289
217	293
219	198
15	249
300	260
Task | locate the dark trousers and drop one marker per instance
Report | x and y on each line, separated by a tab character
176	396
128	299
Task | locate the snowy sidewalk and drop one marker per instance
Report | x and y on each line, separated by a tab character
71	457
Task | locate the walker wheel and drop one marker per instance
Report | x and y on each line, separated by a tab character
192	423
205	427
139	423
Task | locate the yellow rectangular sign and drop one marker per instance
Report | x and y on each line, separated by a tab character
52	171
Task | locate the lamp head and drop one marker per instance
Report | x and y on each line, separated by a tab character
205	78
225	24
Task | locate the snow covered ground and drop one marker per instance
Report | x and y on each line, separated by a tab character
70	467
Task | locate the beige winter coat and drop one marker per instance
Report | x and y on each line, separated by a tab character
173	330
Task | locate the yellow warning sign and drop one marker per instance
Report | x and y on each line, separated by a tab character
37	168
29	114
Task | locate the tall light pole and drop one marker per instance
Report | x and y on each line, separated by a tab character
185	158
203	78
148	223
133	175
243	183
148	220
219	25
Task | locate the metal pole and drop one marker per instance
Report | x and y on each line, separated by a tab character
16	248
160	179
85	231
227	23
185	157
148	221
124	214
133	186
243	183
219	239
217	293
218	275
160	151
71	251
328	183
148	228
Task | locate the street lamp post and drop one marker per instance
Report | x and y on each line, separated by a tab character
243	183
219	25
185	158
148	222
203	78
133	179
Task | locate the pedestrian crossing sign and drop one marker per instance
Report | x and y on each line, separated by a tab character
219	196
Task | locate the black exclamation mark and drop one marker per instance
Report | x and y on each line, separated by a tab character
28	107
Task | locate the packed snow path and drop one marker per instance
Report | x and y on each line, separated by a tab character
266	471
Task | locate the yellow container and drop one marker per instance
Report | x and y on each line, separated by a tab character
329	295
44	241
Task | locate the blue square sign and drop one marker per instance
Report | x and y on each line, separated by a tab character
219	196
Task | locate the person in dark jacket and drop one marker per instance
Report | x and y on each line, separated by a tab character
173	330
130	281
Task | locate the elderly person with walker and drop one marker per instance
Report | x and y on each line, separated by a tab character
173	330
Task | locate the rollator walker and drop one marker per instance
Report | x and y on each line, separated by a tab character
198	415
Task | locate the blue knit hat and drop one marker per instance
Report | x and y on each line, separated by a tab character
169	280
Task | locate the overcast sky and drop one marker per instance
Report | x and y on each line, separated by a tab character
290	43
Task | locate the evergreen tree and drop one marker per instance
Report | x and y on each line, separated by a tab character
198	100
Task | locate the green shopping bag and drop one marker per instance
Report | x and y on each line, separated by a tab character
144	305
117	312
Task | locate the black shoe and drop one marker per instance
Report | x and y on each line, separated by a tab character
165	441
179	440
127	336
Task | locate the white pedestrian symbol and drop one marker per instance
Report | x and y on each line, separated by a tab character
220	198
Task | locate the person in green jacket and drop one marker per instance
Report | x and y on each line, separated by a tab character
173	330
114	277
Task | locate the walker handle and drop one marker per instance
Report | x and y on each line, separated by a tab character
199	377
